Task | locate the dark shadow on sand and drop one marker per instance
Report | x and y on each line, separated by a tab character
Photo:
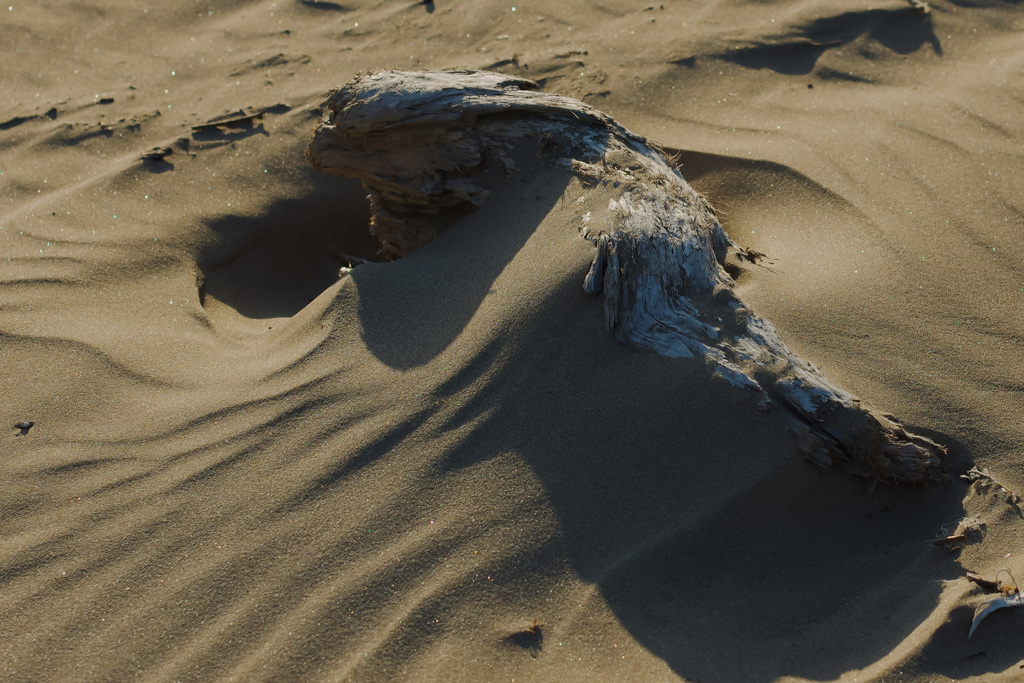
411	310
627	447
900	30
215	136
273	264
716	548
323	5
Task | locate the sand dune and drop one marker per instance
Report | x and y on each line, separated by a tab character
243	467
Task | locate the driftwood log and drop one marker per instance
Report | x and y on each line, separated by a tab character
426	144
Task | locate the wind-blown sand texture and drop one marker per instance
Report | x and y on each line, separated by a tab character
442	467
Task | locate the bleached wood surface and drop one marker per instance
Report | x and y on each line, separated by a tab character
423	143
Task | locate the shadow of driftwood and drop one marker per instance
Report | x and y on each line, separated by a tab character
725	547
994	648
712	542
272	264
402	323
716	593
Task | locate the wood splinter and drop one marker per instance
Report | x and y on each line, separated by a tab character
426	143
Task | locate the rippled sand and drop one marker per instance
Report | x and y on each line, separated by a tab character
442	467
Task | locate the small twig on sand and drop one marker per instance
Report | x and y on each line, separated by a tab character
955	539
240	117
966	530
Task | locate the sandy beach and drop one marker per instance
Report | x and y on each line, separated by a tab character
223	460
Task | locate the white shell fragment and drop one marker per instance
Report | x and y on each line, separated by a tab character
422	142
989	606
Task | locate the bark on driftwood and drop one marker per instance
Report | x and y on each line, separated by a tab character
425	143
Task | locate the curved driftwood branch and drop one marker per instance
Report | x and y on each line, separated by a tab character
425	143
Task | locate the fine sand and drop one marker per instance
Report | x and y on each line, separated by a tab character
241	467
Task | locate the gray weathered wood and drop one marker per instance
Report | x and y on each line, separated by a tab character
425	143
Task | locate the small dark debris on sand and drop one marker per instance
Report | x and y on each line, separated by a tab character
920	6
531	639
157	154
323	5
50	113
242	117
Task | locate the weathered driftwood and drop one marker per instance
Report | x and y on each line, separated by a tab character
426	143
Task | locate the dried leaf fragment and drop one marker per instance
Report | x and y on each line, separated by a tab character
981	582
753	256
